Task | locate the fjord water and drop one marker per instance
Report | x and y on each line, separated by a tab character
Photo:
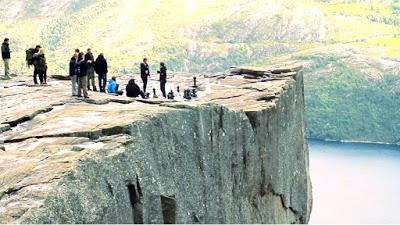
355	183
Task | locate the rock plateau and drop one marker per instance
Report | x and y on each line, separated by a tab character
236	154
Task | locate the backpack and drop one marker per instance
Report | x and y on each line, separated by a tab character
29	56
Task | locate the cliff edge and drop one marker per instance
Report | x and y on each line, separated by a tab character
235	154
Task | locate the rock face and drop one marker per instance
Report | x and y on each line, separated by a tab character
236	154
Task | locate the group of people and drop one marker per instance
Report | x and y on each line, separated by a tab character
82	69
38	60
145	74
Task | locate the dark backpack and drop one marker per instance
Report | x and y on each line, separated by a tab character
29	56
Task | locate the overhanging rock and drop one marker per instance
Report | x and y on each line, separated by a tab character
236	154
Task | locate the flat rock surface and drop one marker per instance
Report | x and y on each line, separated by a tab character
49	110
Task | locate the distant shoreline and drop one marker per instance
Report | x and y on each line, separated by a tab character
354	142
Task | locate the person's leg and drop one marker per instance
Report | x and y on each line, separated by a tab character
116	87
144	79
6	68
45	77
41	77
100	78
80	83
87	80
104	82
162	87
84	86
35	76
74	88
93	79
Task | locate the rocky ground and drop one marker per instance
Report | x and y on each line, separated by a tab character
110	159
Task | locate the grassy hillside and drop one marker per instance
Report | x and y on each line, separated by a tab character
349	48
189	35
350	95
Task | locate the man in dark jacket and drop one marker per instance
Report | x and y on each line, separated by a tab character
35	72
89	60
144	73
133	90
163	78
6	55
101	68
72	74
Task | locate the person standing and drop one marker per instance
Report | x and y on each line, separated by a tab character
6	55
89	60
40	65
72	74
101	68
81	73
144	73
163	78
35	62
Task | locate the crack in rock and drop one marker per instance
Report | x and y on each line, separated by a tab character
26	118
92	135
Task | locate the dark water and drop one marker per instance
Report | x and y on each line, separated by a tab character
355	183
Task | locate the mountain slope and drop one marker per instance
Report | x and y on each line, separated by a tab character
350	95
350	48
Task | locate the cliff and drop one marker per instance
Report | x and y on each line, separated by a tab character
236	154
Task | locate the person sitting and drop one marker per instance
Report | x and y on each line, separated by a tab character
113	87
133	90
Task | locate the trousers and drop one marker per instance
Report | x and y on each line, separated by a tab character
91	80
6	67
74	82
82	86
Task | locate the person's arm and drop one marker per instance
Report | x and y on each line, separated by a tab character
142	68
106	65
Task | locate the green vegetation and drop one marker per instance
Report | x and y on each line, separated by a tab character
345	104
350	93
